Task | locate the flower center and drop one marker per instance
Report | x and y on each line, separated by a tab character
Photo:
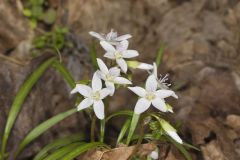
96	96
118	55
150	96
109	78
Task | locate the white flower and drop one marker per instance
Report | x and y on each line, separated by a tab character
151	95
170	131
154	154
162	84
110	76
139	65
93	96
144	66
111	37
119	53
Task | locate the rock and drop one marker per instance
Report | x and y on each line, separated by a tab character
233	121
14	27
212	151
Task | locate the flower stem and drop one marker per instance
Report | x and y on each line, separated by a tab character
102	130
133	126
140	139
93	126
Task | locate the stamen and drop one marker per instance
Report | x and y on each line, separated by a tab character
150	96
162	82
109	78
118	55
96	96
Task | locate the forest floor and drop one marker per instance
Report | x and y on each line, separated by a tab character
202	56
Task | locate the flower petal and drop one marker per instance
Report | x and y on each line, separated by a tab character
102	66
98	108
122	46
97	35
164	93
159	104
141	92
82	89
101	75
121	80
130	53
151	83
175	136
111	87
145	66
104	93
123	37
154	155
109	55
111	35
141	106
108	47
96	82
155	70
114	71
85	104
122	64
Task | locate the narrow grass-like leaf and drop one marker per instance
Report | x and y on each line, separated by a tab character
180	148
19	99
191	146
146	137
123	131
60	142
133	126
120	113
160	55
64	72
58	154
93	55
43	127
83	148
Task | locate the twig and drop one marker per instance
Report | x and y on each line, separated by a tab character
13	60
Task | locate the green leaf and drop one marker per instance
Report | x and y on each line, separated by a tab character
19	99
120	113
146	136
160	55
43	127
49	16
27	12
33	23
58	41
58	143
58	154
81	149
191	146
37	11
123	131
93	55
64	72
36	2
180	148
133	126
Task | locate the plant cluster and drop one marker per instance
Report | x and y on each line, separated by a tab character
37	10
93	96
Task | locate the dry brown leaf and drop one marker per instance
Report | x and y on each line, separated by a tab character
121	153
